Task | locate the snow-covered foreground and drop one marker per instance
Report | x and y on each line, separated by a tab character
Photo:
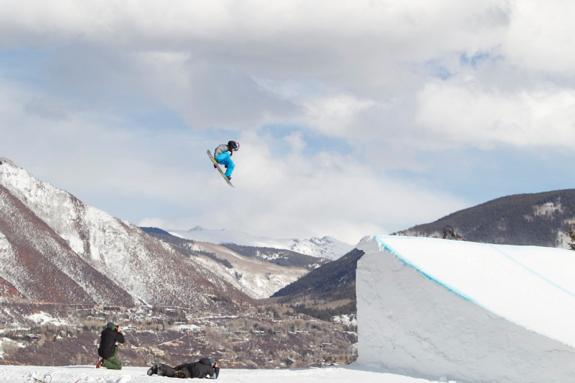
85	374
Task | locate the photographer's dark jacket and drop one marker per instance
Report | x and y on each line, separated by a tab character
108	341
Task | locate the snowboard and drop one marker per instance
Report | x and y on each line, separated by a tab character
217	166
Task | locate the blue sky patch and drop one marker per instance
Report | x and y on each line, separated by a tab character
481	175
23	64
437	69
475	59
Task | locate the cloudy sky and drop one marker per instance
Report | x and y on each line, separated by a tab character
354	117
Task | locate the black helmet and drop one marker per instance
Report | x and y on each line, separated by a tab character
234	145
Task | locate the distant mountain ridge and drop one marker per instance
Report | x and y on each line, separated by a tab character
280	257
327	291
324	247
540	219
54	248
258	272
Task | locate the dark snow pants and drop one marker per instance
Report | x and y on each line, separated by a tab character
170	372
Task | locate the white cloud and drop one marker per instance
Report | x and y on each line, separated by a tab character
365	72
335	115
179	23
466	112
541	36
302	195
208	59
103	162
86	152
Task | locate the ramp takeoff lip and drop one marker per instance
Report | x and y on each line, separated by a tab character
385	247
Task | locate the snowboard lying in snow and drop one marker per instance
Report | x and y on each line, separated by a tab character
217	166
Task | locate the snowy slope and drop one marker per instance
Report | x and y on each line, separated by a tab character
324	247
124	254
39	265
255	277
79	374
468	311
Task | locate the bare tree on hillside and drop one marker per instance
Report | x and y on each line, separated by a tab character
450	233
571	233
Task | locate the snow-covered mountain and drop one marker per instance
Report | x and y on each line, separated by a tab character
324	247
258	277
39	265
55	248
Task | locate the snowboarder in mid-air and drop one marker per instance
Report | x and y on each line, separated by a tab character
223	155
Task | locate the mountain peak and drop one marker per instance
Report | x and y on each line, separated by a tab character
92	250
323	247
197	228
4	160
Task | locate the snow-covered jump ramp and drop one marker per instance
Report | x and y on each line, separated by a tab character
466	311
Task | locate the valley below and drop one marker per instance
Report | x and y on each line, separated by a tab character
265	336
